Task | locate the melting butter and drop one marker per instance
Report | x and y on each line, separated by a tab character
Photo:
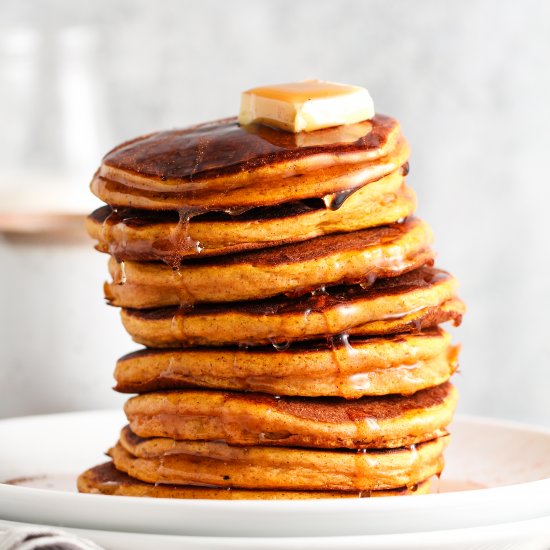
306	106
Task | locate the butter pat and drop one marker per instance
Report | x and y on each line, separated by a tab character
306	106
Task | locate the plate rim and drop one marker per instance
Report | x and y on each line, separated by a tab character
281	508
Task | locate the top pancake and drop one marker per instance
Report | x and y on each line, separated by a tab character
223	165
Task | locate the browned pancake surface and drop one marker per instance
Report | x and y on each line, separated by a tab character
224	147
253	419
221	164
419	279
383	408
349	367
131	234
411	302
335	410
320	247
106	479
161	460
289	269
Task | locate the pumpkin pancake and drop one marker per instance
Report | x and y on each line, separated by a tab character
295	268
142	235
162	460
107	480
345	367
419	299
259	419
222	165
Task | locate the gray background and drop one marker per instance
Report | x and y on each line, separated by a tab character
468	80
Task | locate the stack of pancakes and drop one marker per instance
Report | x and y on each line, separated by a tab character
290	311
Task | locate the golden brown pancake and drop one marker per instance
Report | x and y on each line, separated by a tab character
143	235
295	268
107	480
222	165
418	299
345	367
259	419
282	468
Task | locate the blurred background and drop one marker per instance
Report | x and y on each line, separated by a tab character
468	80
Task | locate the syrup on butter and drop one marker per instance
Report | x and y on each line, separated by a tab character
306	106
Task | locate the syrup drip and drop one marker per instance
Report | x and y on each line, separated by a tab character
368	282
280	345
122	266
417	324
114	232
335	344
319	291
269	437
365	463
333	201
414	454
178	319
168	471
106	222
200	155
181	240
238	210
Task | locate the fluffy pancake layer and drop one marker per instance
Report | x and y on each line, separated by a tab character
290	269
219	464
223	165
107	480
145	236
349	368
257	419
418	299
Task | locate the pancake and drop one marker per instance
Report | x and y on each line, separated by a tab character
296	268
143	235
349	368
216	463
107	480
222	165
259	419
419	299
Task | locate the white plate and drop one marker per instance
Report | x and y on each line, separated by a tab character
525	535
511	461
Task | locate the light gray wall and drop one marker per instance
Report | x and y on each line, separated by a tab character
469	81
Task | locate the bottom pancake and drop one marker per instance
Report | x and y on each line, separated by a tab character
107	480
163	460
